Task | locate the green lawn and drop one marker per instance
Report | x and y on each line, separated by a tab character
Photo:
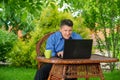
14	73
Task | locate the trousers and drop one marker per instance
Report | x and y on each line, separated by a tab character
43	72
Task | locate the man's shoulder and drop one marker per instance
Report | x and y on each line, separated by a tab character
76	35
56	34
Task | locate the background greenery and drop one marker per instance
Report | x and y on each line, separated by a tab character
7	41
30	20
23	52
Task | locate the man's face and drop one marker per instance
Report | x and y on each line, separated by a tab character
66	31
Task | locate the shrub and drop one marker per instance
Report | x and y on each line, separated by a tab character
6	43
23	52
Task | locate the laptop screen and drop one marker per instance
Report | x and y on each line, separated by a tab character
77	49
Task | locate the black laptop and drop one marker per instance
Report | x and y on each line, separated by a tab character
77	49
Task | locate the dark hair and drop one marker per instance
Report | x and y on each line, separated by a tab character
67	22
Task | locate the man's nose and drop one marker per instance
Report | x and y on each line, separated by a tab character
68	32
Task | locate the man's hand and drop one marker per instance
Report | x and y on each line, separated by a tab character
60	54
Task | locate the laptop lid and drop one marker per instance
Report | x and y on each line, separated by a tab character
77	49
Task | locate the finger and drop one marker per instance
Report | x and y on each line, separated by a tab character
58	54
62	55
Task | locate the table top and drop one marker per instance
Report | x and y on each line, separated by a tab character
93	59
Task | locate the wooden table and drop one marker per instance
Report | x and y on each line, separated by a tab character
76	68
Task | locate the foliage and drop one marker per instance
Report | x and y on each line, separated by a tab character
24	54
102	16
102	20
7	41
51	17
19	14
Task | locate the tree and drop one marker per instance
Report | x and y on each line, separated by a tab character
20	14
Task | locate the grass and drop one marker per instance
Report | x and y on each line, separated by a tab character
22	73
115	75
15	73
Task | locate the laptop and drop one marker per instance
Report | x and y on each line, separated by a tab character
77	49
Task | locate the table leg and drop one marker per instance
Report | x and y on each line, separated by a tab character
57	72
64	72
86	73
101	73
95	69
50	75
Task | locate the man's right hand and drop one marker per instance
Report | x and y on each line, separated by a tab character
60	54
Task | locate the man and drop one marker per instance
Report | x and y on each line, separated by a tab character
56	43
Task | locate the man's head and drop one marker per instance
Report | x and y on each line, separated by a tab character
66	28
